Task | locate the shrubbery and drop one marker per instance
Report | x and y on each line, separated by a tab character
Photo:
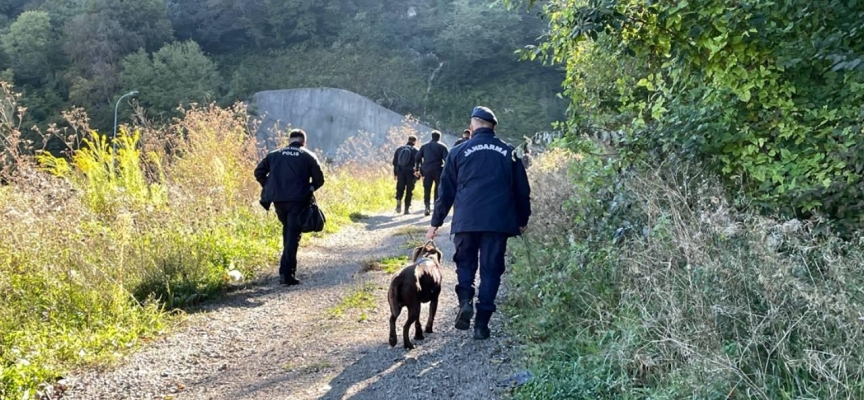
647	284
766	95
94	249
715	251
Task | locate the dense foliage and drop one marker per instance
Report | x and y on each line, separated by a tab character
684	254
433	60
768	94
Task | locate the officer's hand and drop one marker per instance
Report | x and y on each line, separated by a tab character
431	233
522	229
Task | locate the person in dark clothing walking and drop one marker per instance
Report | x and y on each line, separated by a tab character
430	161
488	188
466	134
289	177
405	173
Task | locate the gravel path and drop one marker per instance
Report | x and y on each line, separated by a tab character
274	342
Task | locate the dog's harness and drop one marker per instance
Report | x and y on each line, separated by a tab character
434	247
435	272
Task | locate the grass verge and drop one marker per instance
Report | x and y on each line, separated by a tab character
361	299
649	285
389	265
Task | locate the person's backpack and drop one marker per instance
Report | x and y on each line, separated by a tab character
404	158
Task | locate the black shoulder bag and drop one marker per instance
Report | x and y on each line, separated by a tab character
312	218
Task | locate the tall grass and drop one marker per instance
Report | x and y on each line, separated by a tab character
94	248
647	284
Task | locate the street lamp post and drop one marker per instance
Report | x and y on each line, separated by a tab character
117	107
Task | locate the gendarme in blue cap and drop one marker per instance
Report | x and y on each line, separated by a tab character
485	114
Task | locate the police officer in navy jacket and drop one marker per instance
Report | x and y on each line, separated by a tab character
289	177
488	188
405	175
430	162
466	134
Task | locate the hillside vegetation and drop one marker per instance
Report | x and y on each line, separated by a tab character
697	230
433	60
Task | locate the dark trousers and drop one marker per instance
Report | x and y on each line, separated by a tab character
430	178
488	249
288	213
405	181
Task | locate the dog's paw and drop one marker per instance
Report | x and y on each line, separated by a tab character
392	342
428	329
419	336
409	346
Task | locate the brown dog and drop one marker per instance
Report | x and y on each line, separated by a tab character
417	283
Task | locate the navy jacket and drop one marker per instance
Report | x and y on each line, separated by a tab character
289	174
486	184
431	157
410	168
460	141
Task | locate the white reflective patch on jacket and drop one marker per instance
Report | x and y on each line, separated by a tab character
491	147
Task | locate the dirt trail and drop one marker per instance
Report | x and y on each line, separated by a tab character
274	342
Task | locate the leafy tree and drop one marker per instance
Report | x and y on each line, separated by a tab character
98	38
221	25
178	74
31	44
110	29
767	94
61	11
432	59
145	23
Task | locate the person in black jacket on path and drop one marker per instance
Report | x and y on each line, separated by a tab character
405	173
289	177
486	185
430	162
466	134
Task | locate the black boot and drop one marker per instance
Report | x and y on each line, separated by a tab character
288	280
463	318
399	206
481	326
428	211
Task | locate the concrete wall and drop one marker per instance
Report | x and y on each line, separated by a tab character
329	117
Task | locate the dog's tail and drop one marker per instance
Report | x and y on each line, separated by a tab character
393	298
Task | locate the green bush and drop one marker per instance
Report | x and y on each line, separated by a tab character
765	94
648	284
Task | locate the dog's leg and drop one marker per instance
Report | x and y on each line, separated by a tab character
394	314
433	307
418	329
413	316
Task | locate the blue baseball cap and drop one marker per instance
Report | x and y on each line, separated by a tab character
485	114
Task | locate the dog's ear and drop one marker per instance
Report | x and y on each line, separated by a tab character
439	255
416	254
